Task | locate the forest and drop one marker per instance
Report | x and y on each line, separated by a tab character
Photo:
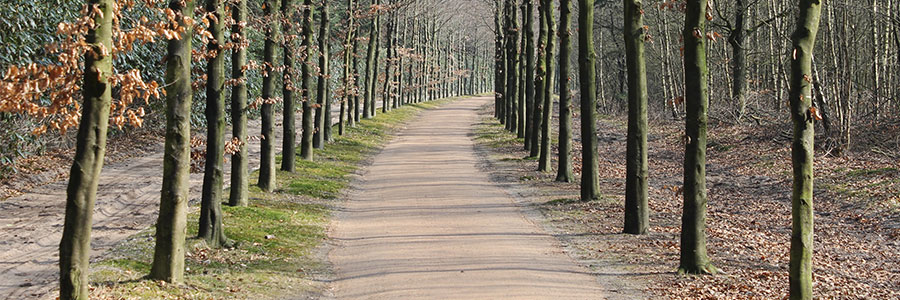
224	149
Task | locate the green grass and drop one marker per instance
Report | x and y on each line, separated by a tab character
277	235
871	172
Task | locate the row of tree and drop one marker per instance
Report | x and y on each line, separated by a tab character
414	53
527	110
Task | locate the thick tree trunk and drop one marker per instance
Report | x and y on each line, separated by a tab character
693	220
168	255
590	177
802	149
81	194
214	174
323	111
637	215
564	170
547	109
289	138
306	140
239	160
267	112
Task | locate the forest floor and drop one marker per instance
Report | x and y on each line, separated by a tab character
425	222
857	251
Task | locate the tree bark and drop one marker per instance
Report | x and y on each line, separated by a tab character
637	215
168	255
539	85
81	194
547	109
693	220
529	73
239	160
306	140
802	149
590	177
289	138
214	173
564	170
323	111
267	111
512	62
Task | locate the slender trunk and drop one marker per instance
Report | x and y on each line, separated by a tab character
323	109
348	84
289	142
75	245
737	40
356	97
512	62
693	220
636	211
529	73
214	174
168	255
544	164
239	160
539	85
499	63
564	170
590	177
804	39
267	112
306	140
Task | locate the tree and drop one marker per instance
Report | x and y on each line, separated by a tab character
267	114
323	103
590	177
512	63
499	62
306	141
349	84
802	149
528	118
168	255
81	194
214	173
547	109
289	138
693	220
564	170
637	216
539	85
239	160
371	67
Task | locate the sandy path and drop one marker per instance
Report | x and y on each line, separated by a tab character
127	202
425	222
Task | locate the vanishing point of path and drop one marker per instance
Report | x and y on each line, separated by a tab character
425	223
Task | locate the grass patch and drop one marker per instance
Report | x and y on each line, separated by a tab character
276	235
871	172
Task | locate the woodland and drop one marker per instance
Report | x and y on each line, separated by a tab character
692	135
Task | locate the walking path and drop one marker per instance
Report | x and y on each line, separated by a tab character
426	223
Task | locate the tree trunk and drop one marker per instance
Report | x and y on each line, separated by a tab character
564	170
239	160
499	63
356	99
544	164
289	142
739	64
512	62
306	140
75	246
168	256
693	220
539	85
323	111
267	112
214	173
637	214
590	177
348	85
804	39
528	117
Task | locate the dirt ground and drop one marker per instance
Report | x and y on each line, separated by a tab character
857	253
426	223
